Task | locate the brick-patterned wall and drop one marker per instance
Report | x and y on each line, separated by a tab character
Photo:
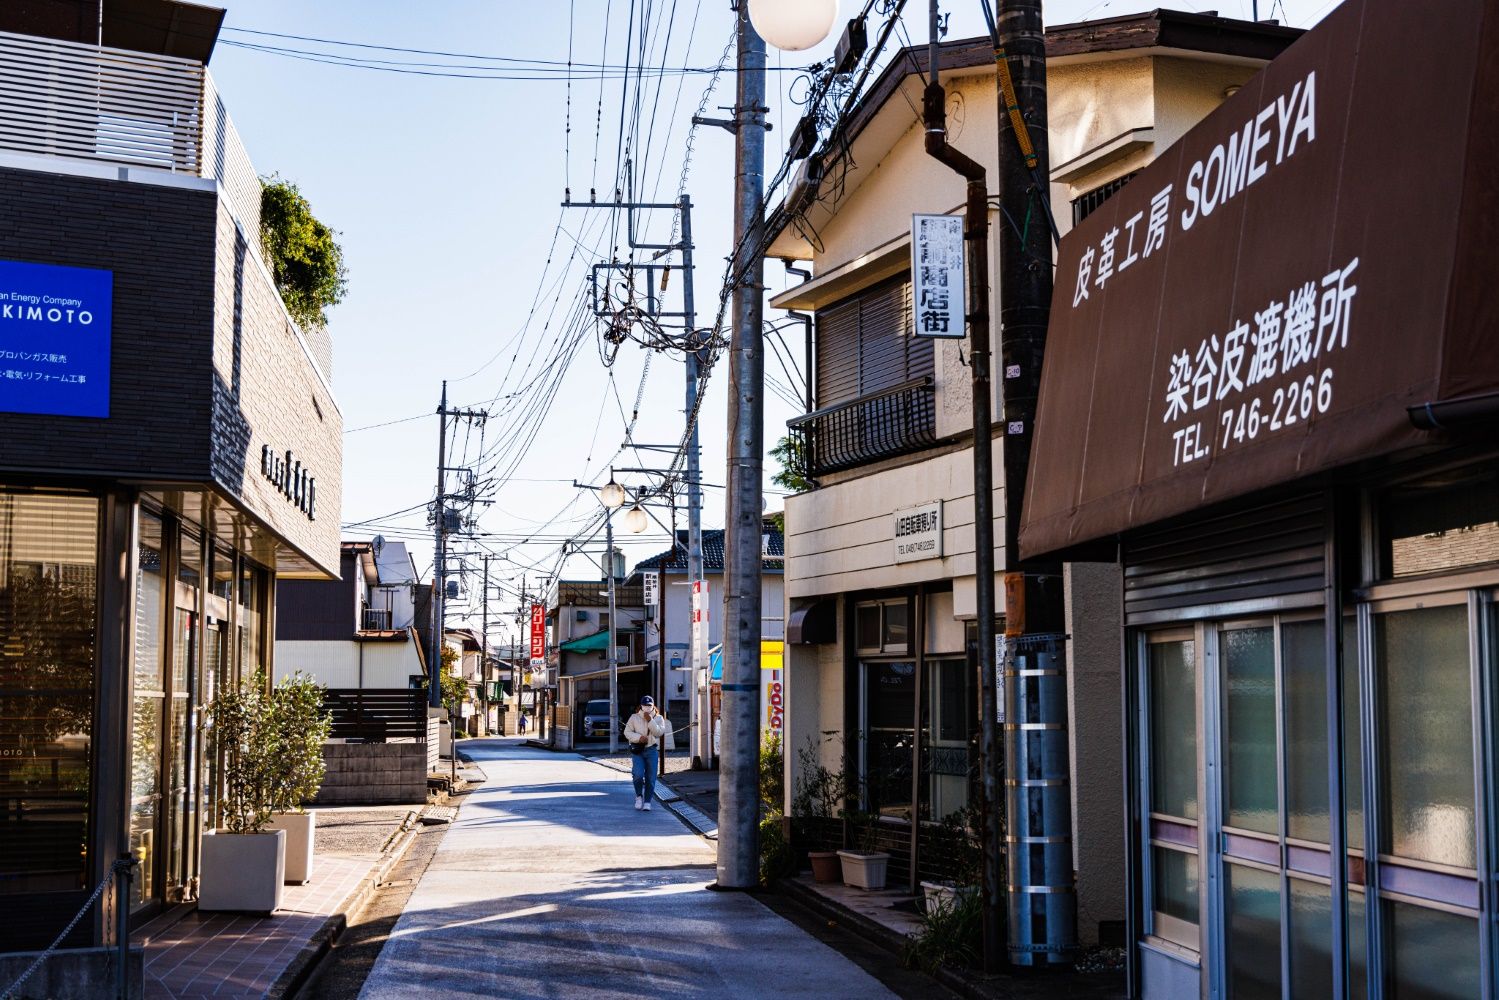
373	772
267	392
158	241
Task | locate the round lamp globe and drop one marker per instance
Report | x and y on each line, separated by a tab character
612	495
637	520
793	25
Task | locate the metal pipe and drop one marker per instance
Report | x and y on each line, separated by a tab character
806	321
613	650
439	558
1447	413
738	792
976	234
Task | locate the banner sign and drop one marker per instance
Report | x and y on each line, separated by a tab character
772	686
700	629
55	339
1270	296
938	294
538	632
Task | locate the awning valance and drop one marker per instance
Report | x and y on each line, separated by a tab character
1267	299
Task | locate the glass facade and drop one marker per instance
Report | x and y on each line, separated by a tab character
1235	862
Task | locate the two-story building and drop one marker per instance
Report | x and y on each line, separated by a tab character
878	628
171	452
578	631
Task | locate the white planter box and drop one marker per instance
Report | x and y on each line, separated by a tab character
864	870
242	872
299	827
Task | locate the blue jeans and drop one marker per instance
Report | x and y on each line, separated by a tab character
643	771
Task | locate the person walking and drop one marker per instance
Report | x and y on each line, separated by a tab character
647	732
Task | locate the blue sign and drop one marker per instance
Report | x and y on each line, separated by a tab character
54	339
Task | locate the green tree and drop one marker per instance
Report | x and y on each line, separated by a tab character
793	474
306	261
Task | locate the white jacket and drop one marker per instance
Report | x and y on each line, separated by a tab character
655	733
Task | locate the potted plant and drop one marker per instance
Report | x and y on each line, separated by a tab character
301	728
864	865
243	864
819	799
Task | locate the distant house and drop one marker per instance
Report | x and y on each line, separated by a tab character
357	632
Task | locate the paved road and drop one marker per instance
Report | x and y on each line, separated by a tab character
550	884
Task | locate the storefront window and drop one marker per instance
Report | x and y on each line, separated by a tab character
1250	786
889	729
1426	734
48	572
882	626
947	737
1432	955
1171	681
1440	525
149	706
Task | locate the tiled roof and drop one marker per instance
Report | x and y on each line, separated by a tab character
674	560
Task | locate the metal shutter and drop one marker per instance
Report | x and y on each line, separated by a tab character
838	353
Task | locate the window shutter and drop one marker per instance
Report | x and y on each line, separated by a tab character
838	353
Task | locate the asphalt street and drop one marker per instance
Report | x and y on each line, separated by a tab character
550	884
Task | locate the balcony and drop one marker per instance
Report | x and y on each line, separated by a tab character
884	424
375	620
117	106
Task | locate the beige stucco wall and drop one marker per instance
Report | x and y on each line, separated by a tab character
336	664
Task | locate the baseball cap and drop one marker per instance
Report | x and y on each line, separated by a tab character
647	700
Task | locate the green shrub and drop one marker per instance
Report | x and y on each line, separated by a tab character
772	773
952	933
242	720
300	728
305	260
776	857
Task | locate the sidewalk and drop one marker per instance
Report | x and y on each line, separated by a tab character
547	882
191	955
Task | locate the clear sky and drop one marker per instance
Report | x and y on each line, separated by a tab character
444	175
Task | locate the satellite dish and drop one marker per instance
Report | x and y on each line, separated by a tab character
377	543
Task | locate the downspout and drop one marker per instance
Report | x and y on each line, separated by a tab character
806	321
976	235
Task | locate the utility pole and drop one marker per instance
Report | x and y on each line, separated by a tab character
613	652
976	235
439	555
738	777
1042	901
683	205
484	647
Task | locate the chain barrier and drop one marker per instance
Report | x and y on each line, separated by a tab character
124	865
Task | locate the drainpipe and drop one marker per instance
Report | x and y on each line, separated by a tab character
976	235
806	321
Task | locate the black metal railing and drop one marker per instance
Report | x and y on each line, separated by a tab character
376	620
894	421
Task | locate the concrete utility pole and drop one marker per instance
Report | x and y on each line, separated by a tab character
698	708
484	648
1042	901
613	651
738	778
976	236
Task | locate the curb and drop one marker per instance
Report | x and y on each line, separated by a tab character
693	818
296	974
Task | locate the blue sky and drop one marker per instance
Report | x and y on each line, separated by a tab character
446	193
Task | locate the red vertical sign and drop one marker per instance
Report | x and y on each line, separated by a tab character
538	632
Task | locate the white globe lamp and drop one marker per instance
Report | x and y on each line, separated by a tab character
612	495
637	520
793	25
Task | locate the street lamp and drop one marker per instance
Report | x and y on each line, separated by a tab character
636	520
793	25
612	495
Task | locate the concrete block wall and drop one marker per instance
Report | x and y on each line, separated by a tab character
361	773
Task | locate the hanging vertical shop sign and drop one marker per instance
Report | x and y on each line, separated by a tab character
772	685
652	582
700	631
55	339
538	633
938	294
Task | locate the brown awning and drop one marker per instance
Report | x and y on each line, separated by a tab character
1318	263
812	622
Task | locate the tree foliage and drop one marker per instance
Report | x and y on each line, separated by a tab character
305	260
301	727
792	475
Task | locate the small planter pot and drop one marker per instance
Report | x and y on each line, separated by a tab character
939	893
300	828
242	872
864	869
825	866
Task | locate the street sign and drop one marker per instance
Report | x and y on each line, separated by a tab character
538	632
938	294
